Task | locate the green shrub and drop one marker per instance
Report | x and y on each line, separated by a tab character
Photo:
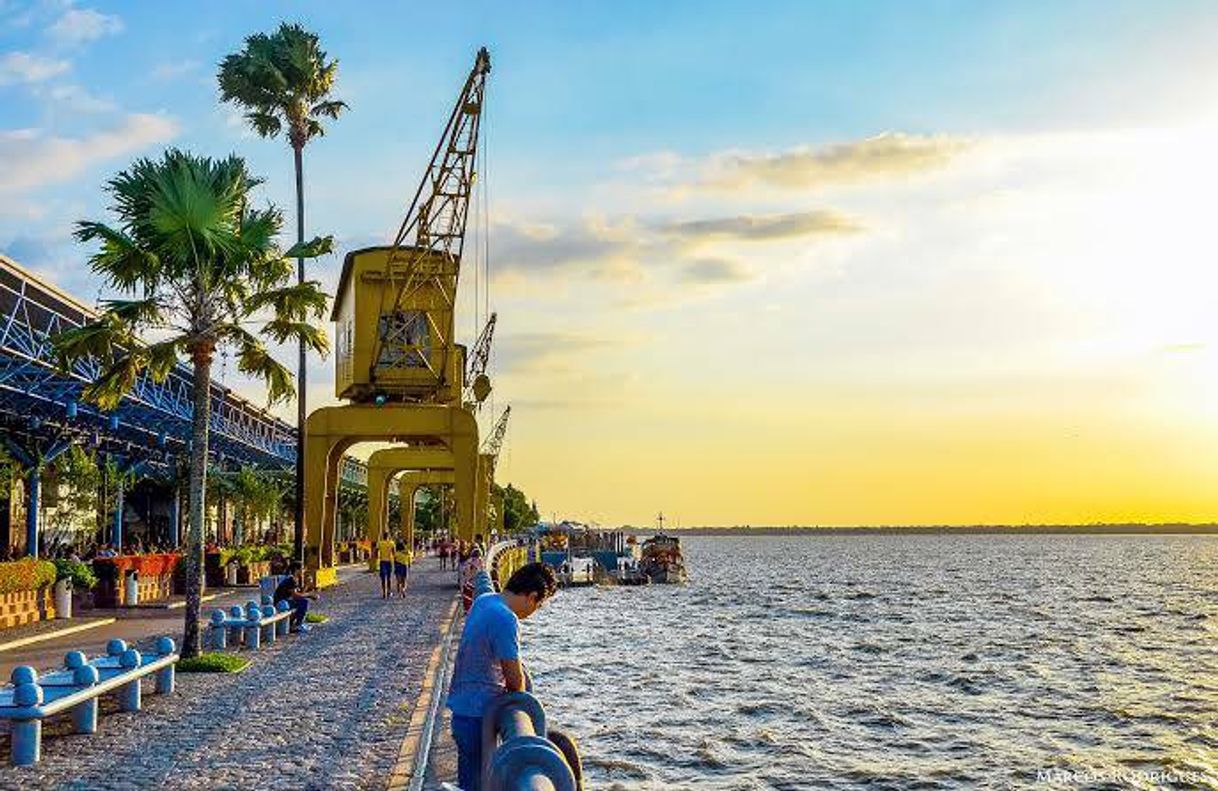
26	574
81	574
213	662
316	617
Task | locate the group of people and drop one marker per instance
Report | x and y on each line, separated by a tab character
67	551
394	559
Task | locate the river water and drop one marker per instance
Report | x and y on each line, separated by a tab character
878	662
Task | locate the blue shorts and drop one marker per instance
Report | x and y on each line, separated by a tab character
400	569
386	569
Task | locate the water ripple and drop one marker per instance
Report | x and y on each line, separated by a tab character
895	662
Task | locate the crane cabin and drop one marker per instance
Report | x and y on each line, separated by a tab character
393	317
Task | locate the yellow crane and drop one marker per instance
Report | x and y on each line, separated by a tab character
397	362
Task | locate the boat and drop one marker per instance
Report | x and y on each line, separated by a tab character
629	573
662	562
583	554
577	571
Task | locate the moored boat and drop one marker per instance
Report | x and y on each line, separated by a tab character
662	561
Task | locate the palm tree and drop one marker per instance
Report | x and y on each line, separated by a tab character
199	265
284	80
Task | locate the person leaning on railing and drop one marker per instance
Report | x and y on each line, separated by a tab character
488	660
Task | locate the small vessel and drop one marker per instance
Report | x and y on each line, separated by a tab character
661	560
629	573
577	571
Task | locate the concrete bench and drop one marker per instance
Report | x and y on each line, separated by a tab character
30	698
249	624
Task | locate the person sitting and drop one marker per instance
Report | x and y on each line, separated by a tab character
287	590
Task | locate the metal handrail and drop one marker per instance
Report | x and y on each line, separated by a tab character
517	755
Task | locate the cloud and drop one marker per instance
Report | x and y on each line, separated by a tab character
173	70
770	227
544	248
1184	348
884	156
714	271
75	98
24	68
34	160
530	351
80	25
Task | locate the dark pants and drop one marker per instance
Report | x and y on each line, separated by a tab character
467	733
301	606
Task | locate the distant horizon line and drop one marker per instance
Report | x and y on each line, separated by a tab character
1088	527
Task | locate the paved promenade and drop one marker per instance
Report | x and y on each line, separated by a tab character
329	709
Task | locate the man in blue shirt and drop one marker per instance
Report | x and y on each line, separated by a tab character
488	660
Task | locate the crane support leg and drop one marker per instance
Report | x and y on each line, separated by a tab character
332	430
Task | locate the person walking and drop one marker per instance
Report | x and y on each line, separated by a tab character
470	567
384	556
488	661
401	567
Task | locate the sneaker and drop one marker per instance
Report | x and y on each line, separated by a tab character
304	627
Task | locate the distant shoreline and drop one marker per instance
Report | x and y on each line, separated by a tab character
966	530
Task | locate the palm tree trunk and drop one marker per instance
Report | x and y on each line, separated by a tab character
202	356
301	373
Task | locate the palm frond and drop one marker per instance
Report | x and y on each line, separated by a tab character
292	303
100	339
283	79
121	260
314	248
163	357
136	313
114	382
266	124
253	359
330	108
284	330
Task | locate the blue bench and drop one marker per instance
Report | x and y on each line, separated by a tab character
32	698
249	623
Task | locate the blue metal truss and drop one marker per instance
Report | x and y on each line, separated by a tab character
38	401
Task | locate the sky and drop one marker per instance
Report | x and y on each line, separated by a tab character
766	263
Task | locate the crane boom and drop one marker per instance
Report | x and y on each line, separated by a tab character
425	257
494	442
440	206
477	385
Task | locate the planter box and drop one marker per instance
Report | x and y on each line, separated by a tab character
249	575
22	607
213	573
155	580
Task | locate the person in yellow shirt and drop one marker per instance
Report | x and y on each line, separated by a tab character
384	556
402	558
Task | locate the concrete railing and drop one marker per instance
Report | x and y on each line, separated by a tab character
30	698
250	624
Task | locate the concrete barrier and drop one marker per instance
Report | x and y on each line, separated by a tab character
30	699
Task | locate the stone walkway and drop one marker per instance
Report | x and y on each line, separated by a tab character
324	710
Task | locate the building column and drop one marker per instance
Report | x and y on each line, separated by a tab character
175	518
33	488
116	529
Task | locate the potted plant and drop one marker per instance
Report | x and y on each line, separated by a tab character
71	576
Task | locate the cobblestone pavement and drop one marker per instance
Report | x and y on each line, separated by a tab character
324	710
